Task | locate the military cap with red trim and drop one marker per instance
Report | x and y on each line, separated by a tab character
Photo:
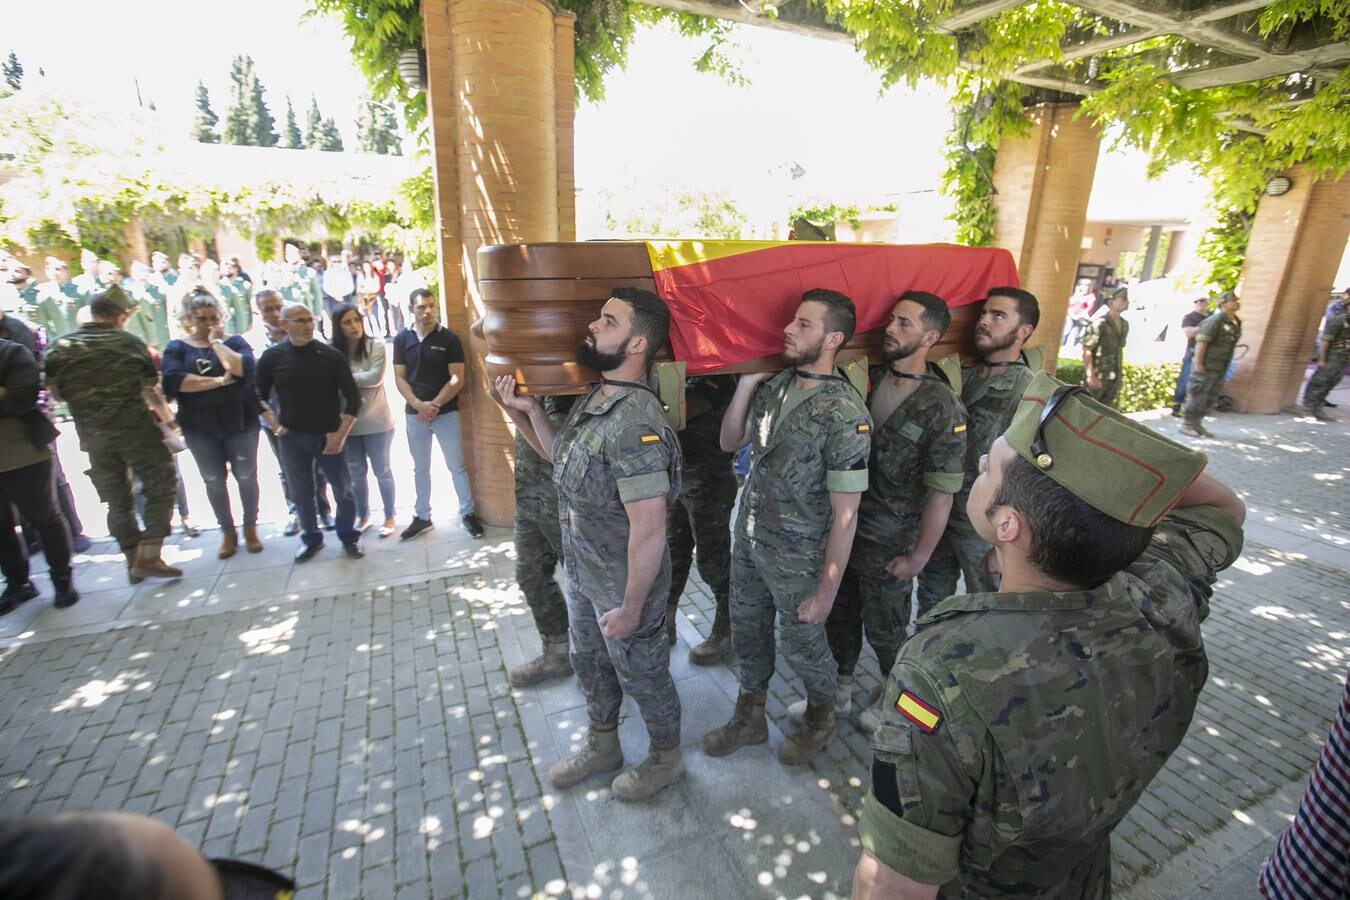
1114	464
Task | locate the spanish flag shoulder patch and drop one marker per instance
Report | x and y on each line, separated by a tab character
918	712
864	428
650	438
958	429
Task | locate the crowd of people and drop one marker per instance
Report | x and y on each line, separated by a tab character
869	494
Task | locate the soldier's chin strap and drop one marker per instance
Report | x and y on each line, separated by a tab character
815	376
632	384
913	377
1002	365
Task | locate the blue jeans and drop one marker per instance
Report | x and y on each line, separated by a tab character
1179	395
240	451
374	447
301	455
446	429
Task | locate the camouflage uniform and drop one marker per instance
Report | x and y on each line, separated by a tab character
610	451
1016	787
1106	342
1220	335
56	308
707	492
820	447
919	449
100	371
990	402
1327	376
538	540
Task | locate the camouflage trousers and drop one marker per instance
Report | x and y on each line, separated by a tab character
1110	388
753	608
538	550
1202	392
638	665
138	452
870	601
960	552
702	519
1324	380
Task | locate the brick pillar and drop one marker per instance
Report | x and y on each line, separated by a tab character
1297	242
564	95
502	166
1044	178
133	238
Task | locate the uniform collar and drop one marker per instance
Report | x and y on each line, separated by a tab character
1033	601
599	406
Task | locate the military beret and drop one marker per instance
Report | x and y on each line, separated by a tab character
1114	464
115	295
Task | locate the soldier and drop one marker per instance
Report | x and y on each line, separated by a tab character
57	301
151	320
236	290
1215	342
1104	350
1021	727
702	518
811	435
915	468
1333	357
104	374
990	390
616	465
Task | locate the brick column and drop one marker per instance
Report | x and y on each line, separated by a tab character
1044	178
564	96
1296	244
502	166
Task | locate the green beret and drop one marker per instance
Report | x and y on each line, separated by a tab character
1114	464
115	295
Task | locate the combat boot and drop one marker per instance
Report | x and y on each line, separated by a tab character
659	770
803	744
131	564
843	701
747	726
1320	414
66	595
718	645
148	563
671	612
552	662
602	753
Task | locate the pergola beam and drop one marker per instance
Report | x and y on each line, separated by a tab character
795	18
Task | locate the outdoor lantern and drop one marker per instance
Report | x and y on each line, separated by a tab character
1278	185
412	68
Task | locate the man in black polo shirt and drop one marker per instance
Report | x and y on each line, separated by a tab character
317	402
429	372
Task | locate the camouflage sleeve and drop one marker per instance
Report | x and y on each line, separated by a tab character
1093	337
640	458
1205	332
1188	551
920	801
944	467
847	446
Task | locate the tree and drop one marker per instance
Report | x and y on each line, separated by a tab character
290	138
248	121
377	130
13	72
313	124
204	125
329	136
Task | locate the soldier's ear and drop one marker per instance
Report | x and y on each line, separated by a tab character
637	345
1009	525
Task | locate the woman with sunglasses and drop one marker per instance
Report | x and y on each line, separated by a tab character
373	433
211	376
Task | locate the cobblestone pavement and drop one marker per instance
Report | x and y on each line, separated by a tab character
359	732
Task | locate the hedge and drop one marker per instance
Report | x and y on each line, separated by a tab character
1144	387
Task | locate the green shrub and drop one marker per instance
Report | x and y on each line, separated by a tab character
1143	388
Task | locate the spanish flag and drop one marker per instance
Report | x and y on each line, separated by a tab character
729	300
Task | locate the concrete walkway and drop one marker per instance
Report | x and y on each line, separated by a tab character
350	721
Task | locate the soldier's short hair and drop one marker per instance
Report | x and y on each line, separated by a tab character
1028	309
1071	541
651	317
840	314
936	315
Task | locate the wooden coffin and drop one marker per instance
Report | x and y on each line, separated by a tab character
539	298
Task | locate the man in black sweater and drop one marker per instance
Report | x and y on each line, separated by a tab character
317	402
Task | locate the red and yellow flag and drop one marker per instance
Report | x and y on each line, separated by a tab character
729	300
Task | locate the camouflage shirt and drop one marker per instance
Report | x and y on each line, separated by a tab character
1337	333
820	447
1018	729
1220	335
990	403
100	371
1107	345
611	451
536	497
920	448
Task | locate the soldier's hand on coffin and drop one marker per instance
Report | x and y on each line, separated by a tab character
754	378
504	392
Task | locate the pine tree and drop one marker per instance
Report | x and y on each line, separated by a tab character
13	72
204	125
264	126
313	125
290	138
248	121
377	130
389	125
329	136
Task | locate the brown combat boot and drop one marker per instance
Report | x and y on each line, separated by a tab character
229	543
658	771
131	564
148	563
815	732
747	726
672	611
601	754
718	645
252	542
552	662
